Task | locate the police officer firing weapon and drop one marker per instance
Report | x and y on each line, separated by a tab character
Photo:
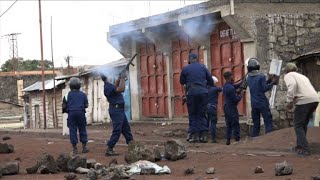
258	85
120	124
74	103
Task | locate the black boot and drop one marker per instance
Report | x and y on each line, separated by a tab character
74	149
228	142
204	137
84	148
110	152
194	138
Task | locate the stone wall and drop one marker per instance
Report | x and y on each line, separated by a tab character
8	109
280	31
8	85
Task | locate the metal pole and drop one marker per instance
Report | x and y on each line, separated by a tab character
42	67
55	122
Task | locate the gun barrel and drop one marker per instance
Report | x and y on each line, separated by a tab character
129	63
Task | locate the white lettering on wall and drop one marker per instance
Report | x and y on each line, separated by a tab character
228	33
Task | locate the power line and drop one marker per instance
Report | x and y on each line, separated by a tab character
8	8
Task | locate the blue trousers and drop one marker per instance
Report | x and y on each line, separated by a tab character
232	121
197	105
212	119
267	117
120	126
77	121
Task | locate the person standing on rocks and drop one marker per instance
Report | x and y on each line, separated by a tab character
120	124
75	103
302	94
213	93
231	100
259	85
195	77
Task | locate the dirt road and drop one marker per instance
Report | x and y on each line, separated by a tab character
236	161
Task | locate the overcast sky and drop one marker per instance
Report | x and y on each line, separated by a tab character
79	27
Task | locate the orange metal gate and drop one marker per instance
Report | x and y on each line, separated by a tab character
227	55
180	52
154	80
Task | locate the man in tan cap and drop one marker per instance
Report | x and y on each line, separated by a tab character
302	94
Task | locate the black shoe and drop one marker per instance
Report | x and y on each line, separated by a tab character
110	152
84	148
204	137
194	138
228	142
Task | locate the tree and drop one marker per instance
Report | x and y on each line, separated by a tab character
26	65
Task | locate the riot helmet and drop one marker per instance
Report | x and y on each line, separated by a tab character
192	58
75	83
253	64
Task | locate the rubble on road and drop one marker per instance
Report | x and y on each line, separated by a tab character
210	170
46	165
6	138
258	170
62	162
82	170
70	176
174	150
138	151
6	148
75	162
315	178
92	175
91	163
140	132
283	169
189	171
113	161
10	168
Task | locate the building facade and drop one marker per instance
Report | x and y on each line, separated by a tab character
224	33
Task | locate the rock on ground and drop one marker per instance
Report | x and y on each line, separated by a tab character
91	163
189	171
62	161
10	168
92	175
98	166
283	169
6	148
113	161
315	178
210	170
82	170
77	161
112	176
157	153
174	150
258	169
137	151
48	165
6	138
70	176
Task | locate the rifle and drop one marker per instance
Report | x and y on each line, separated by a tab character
127	65
244	84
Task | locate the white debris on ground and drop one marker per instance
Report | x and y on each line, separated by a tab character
135	168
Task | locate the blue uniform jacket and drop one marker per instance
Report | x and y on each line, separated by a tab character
112	95
258	85
75	100
196	77
213	92
230	95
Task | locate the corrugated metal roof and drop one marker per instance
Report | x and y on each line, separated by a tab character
315	52
38	85
121	62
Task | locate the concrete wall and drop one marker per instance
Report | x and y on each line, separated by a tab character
9	89
7	110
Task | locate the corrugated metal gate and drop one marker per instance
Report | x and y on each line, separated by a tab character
227	55
180	51
154	80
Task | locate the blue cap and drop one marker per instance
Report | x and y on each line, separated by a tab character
192	56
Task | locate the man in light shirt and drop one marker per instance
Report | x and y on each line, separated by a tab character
302	94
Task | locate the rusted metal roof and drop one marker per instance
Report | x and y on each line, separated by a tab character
38	85
315	52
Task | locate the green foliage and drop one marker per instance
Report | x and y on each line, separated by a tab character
26	65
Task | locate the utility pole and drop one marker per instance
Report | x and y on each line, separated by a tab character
67	59
42	67
13	43
55	122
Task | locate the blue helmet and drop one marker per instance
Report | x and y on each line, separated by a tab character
74	83
193	56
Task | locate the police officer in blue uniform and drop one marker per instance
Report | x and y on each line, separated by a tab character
195	77
117	114
74	103
231	100
258	85
213	93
